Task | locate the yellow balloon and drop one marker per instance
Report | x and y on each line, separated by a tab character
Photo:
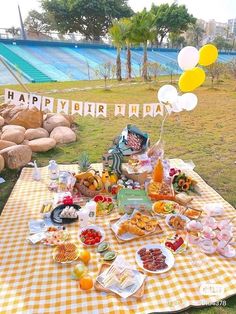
191	79
208	54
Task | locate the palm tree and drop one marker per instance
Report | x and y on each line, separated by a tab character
195	35
128	40
143	31
116	32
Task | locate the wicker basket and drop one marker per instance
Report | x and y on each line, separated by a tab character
86	191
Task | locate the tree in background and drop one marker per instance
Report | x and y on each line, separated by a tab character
172	18
91	18
172	69
143	31
106	71
39	23
176	40
117	34
194	35
128	40
154	69
14	31
215	70
222	43
231	67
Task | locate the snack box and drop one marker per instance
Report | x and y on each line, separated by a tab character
128	200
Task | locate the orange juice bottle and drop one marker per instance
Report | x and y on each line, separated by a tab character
158	172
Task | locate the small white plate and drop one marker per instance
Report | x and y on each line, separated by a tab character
175	215
170	260
96	228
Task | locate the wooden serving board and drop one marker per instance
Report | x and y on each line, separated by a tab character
157	230
138	294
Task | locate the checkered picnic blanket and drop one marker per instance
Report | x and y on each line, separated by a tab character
31	282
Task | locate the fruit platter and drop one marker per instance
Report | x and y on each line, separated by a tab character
134	226
154	258
163	208
105	205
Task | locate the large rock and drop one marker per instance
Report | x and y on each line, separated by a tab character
32	134
8	111
16	156
15	136
70	118
2	121
5	144
28	118
42	144
63	135
55	120
13	127
2	163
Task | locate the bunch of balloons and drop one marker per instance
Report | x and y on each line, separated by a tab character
192	77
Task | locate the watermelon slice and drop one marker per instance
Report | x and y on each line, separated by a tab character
98	198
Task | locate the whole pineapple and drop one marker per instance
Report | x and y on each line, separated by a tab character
83	162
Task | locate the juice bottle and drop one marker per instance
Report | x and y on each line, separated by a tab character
158	172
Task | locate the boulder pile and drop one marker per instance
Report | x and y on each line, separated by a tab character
25	131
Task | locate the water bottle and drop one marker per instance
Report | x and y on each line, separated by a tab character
53	170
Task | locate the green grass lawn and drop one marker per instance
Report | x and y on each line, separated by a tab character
205	135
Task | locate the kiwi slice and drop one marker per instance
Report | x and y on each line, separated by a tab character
109	256
102	247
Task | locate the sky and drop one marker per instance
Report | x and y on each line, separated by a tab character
220	10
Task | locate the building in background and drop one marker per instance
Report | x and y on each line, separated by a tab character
213	29
232	26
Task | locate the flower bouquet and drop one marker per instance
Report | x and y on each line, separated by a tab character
183	183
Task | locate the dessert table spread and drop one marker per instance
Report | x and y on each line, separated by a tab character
31	282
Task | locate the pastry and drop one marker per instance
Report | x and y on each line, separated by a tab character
127	227
141	224
145	218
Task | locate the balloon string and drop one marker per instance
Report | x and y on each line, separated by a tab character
162	126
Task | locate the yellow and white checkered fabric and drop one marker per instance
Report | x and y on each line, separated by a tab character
31	282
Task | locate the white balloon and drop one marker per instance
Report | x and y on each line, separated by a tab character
188	101
167	93
188	58
176	106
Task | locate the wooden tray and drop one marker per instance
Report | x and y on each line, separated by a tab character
157	230
138	294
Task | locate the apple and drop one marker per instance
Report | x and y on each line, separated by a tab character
79	271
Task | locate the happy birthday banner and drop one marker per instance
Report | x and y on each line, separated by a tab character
72	107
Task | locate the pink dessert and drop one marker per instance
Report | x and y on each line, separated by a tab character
207	246
208	232
225	225
194	225
210	222
225	249
224	235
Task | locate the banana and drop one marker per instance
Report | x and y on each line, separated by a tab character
99	182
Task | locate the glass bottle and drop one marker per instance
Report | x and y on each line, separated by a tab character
53	169
158	172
